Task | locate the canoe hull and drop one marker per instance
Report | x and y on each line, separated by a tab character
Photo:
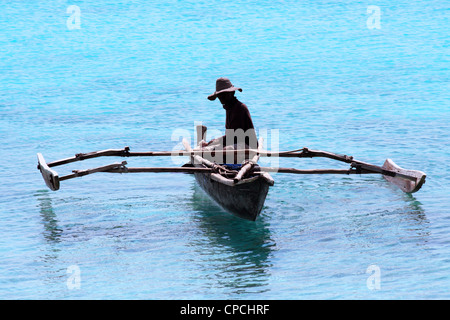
244	200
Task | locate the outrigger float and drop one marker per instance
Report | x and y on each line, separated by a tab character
239	189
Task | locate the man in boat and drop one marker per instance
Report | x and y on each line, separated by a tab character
240	132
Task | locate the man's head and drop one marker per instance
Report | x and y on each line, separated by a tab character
225	97
224	90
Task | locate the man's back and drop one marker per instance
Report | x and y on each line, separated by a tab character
237	116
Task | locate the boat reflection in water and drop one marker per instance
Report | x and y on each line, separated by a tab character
52	232
235	251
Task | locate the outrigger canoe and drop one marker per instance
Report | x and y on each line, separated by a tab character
229	186
239	189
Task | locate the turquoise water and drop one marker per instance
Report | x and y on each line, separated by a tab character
137	71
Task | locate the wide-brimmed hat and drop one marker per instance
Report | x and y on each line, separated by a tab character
223	85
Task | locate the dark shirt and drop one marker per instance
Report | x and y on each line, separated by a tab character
238	117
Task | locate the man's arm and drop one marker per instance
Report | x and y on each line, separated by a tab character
218	141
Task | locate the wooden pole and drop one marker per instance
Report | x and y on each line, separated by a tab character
314	171
199	156
121	168
249	165
417	178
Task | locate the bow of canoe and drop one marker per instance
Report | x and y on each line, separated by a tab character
245	199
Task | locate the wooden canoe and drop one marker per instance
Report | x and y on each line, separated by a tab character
239	189
244	199
243	194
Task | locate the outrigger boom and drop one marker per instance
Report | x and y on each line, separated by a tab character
408	180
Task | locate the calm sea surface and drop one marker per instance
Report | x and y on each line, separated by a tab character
322	74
